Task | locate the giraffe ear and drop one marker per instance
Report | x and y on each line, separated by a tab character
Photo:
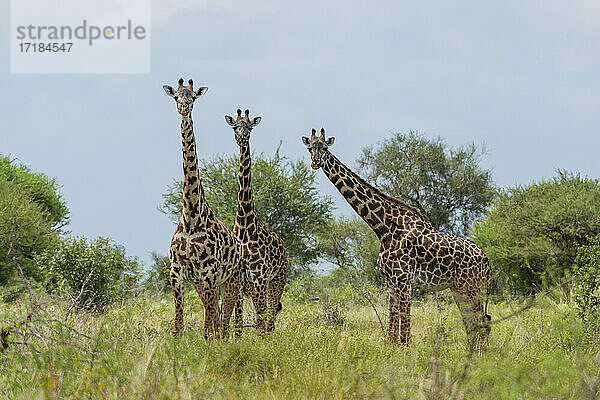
256	121
229	120
169	90
330	141
305	140
200	92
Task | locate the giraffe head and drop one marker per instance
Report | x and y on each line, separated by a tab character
316	146
242	126
184	95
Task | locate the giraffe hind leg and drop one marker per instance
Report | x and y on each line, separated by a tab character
238	324
209	299
231	295
259	299
275	291
475	320
178	297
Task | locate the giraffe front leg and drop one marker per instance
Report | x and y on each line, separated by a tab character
400	300
178	296
394	316
405	303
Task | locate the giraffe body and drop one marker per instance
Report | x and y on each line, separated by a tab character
264	254
412	253
203	250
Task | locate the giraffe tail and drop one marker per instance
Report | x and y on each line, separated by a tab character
489	286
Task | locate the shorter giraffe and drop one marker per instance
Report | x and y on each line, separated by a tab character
412	253
264	254
203	250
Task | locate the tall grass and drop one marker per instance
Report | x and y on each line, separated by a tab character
128	353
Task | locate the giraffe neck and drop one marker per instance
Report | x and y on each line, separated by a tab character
245	199
194	202
373	206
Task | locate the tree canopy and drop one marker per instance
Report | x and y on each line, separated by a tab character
285	196
41	189
447	185
32	214
531	232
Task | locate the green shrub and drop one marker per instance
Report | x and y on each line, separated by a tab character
94	273
586	291
40	189
531	232
353	247
24	230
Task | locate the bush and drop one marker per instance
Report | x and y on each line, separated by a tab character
24	230
353	247
158	272
40	189
531	233
586	291
93	273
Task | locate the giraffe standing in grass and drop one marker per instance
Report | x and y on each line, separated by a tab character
264	254
203	250
412	253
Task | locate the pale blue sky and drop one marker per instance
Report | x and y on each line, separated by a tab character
523	77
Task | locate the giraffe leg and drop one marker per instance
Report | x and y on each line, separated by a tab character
210	301
474	319
400	301
259	299
178	296
276	287
394	316
231	294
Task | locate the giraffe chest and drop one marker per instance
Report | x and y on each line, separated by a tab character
201	257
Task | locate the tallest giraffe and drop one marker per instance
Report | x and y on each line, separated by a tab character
412	253
203	250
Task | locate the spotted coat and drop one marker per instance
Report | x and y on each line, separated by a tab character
203	250
412	253
264	254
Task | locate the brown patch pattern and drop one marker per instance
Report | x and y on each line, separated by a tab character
412	253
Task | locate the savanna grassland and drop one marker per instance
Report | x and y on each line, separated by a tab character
318	351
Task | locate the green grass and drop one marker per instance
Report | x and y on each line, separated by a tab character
128	353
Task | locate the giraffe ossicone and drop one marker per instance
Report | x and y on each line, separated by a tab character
412	253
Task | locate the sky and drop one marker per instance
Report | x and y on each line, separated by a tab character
520	77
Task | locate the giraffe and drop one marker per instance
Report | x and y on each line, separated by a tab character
412	253
203	250
264	254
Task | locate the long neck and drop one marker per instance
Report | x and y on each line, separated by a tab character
245	198
193	192
373	206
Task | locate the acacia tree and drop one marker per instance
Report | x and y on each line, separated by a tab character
285	196
531	233
447	185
